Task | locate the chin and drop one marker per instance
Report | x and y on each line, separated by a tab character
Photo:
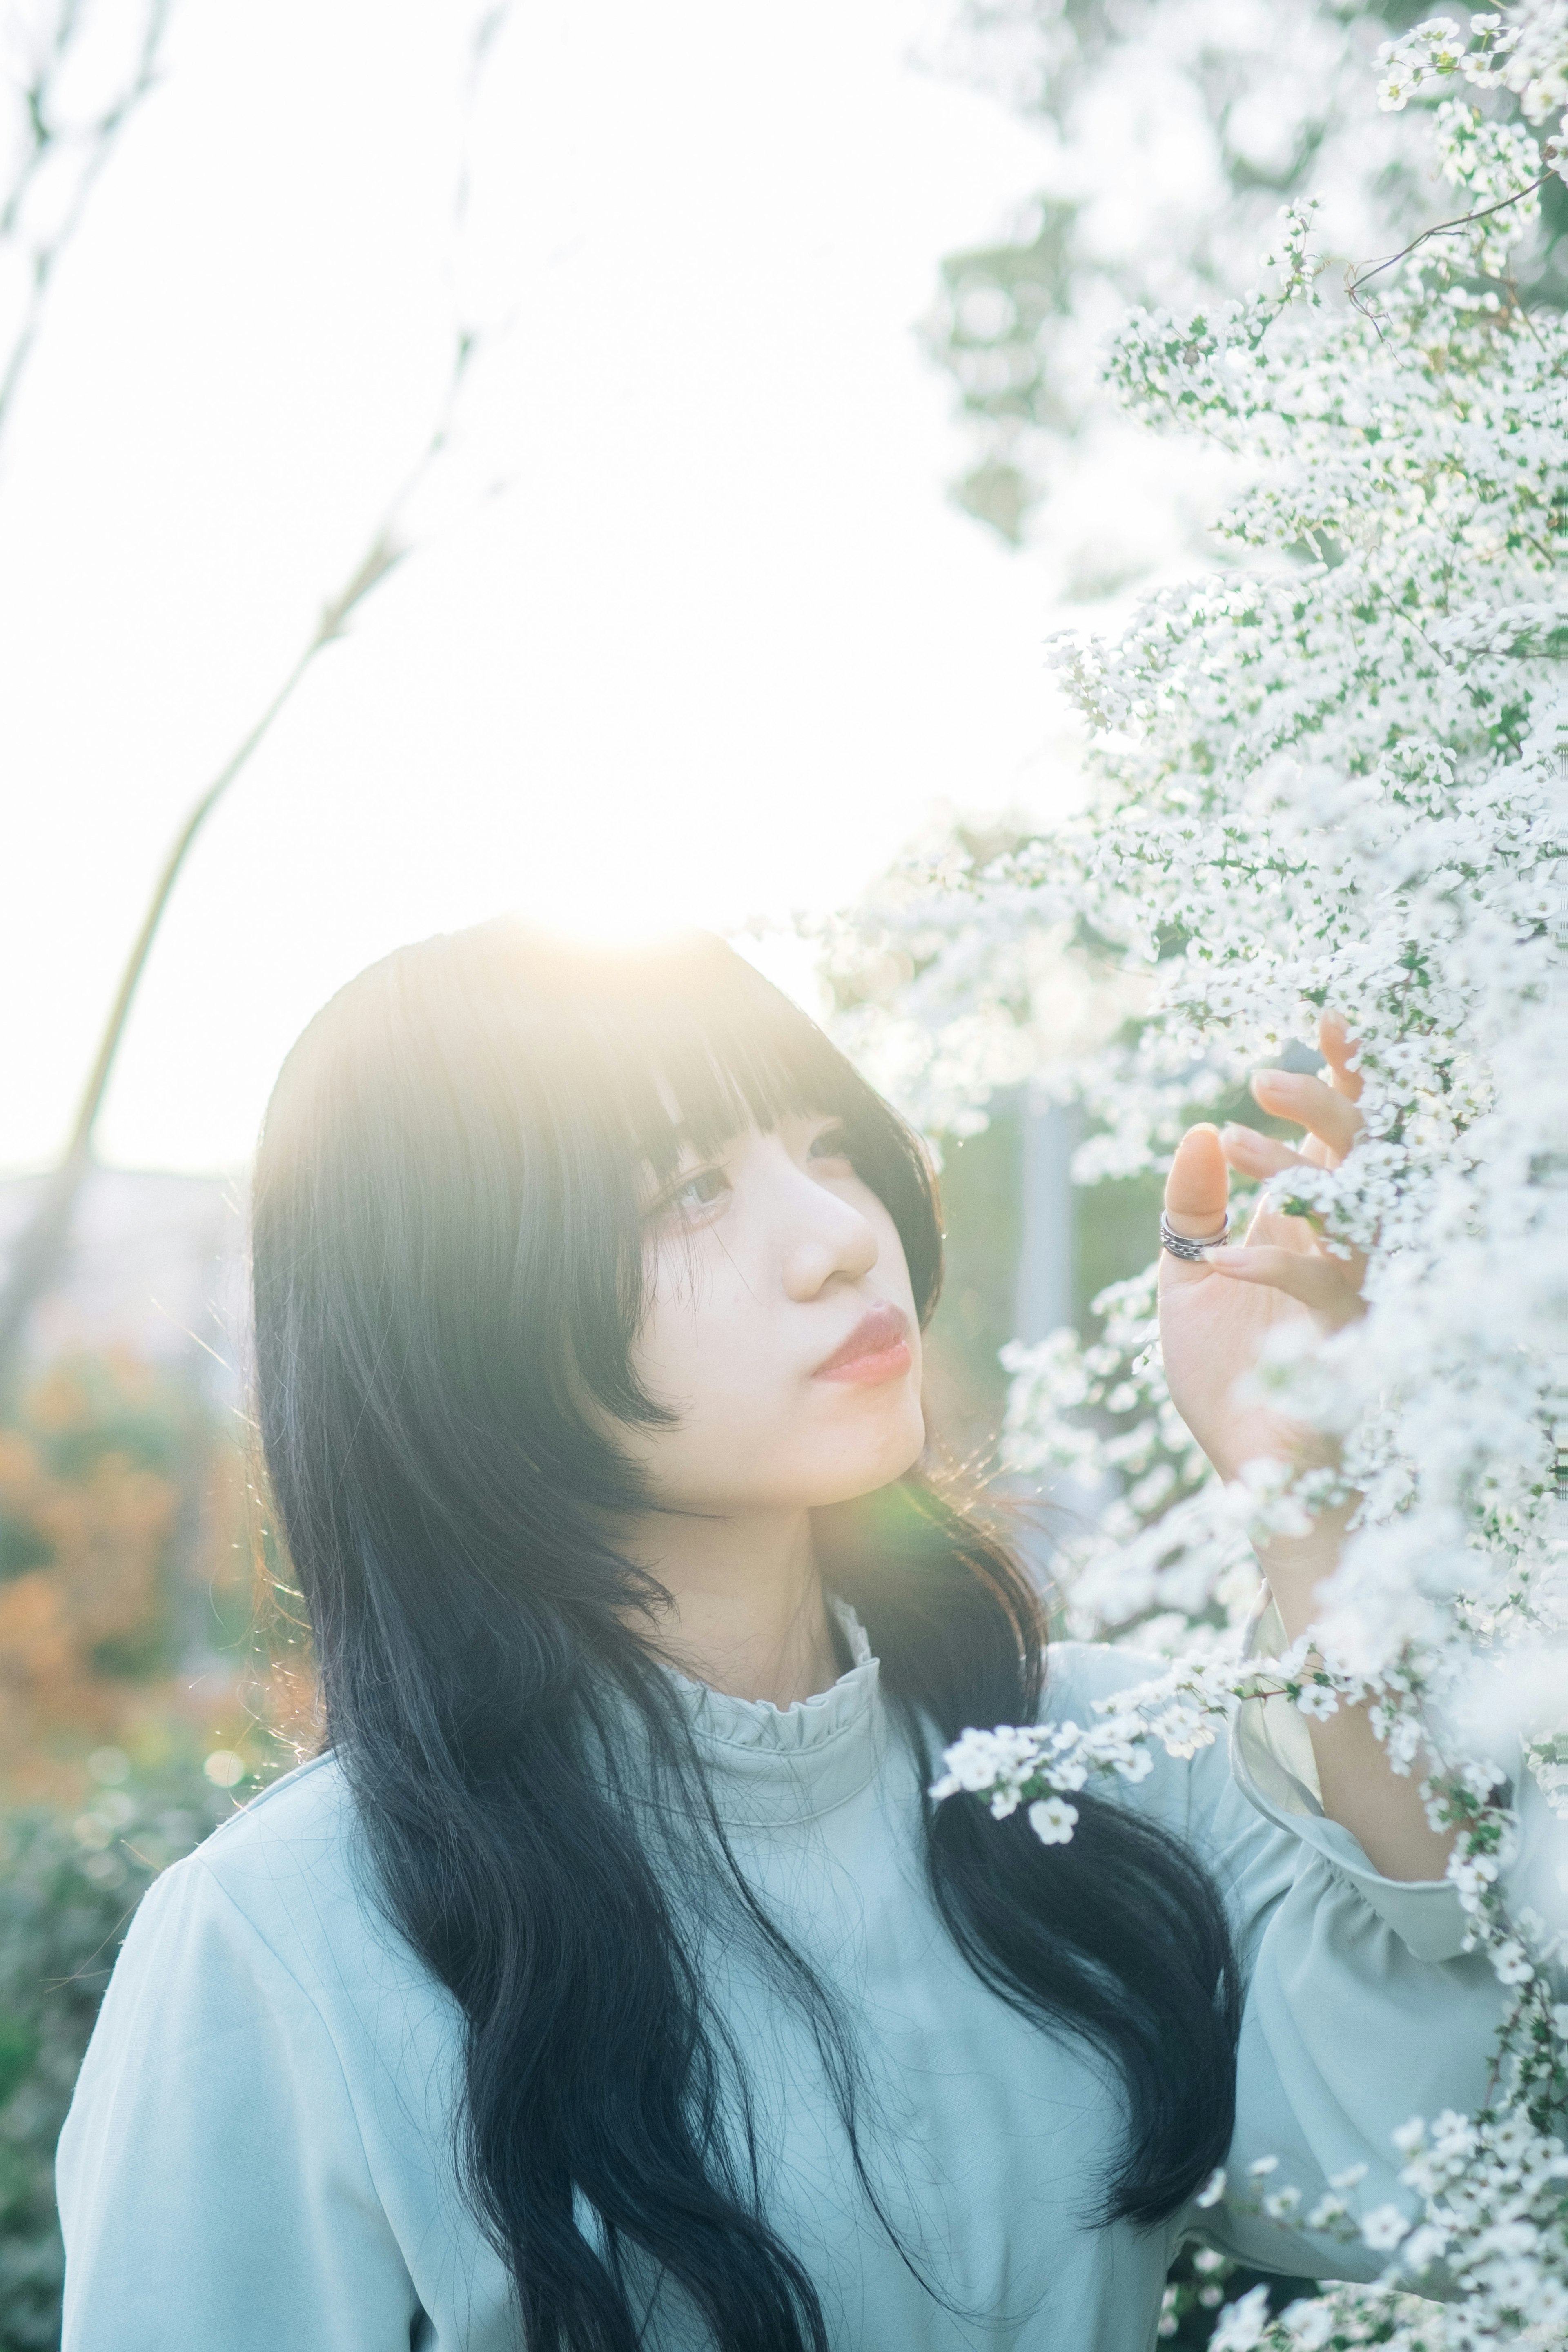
889	1454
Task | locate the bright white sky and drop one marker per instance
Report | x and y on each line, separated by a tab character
722	647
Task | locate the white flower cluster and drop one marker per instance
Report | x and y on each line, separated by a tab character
1168	1554
1525	52
1339	780
1494	2223
1495	2187
1166	134
1035	1765
1039	1765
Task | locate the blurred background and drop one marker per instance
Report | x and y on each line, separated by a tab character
616	465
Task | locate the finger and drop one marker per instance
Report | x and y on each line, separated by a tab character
1338	1049
1331	1286
1275	1228
1255	1154
1328	1116
1197	1189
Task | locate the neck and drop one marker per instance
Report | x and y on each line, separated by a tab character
748	1614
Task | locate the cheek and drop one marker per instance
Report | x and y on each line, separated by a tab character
714	1350
702	1349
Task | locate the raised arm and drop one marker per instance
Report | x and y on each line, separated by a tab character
1216	1313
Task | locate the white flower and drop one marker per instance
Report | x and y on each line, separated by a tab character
1383	2228
1052	1820
1244	2324
1472	1880
1514	2283
1512	2136
1309	2325
1212	2189
1548	2304
1424	2246
1182	1731
1319	1701
979	1760
1453	2138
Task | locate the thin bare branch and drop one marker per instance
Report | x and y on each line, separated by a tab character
35	1256
1440	228
98	141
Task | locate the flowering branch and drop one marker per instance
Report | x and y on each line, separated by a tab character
1332	773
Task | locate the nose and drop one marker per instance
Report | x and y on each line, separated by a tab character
825	1239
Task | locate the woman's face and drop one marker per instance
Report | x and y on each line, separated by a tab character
781	1329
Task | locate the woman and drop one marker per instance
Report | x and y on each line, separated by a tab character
608	1979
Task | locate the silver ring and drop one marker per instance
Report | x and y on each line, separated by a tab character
1180	1246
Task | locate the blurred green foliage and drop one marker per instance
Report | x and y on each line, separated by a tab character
982	1197
131	1699
1115	1232
68	1887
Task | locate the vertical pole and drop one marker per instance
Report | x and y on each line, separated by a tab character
1043	1291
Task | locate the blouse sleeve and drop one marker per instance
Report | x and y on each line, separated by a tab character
213	2187
1363	2009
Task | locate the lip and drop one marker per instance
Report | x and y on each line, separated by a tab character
877	1349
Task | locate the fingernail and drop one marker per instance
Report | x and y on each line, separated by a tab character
1221	1255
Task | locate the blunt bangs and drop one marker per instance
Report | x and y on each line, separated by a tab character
647	1053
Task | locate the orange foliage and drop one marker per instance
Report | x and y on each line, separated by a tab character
124	1582
109	1533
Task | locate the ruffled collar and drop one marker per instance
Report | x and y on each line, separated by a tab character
769	1765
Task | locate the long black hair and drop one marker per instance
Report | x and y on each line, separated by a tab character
448	1276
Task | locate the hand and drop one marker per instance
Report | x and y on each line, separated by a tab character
1214	1314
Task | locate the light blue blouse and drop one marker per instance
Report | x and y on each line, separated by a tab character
258	2156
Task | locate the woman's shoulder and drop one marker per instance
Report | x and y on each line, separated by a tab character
288	1873
260	1990
300	1829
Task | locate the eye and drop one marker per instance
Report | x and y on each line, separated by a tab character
699	1190
833	1143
